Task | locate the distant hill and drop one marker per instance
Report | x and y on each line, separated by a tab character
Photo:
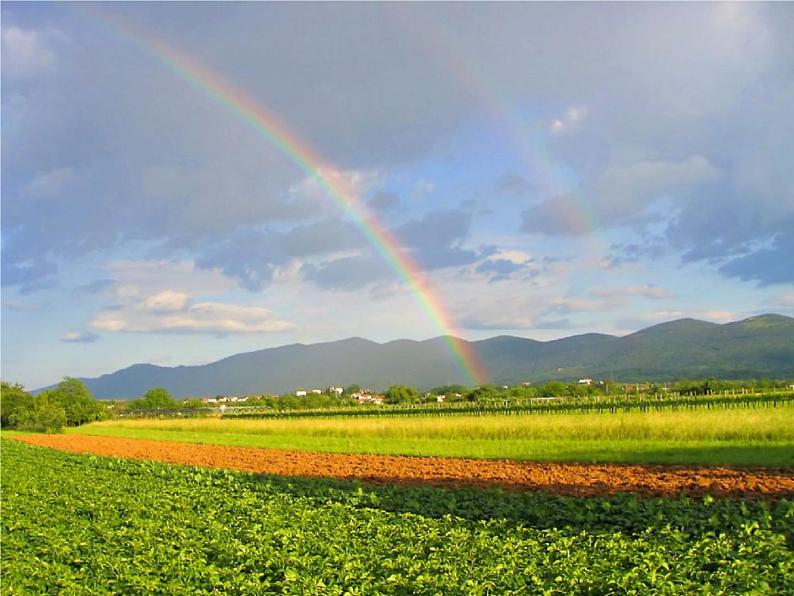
761	346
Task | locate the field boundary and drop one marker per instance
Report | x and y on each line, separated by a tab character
554	405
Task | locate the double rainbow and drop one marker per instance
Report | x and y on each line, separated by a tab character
259	118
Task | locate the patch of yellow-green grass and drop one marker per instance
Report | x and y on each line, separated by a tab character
740	436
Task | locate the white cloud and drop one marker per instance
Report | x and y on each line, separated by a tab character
167	301
80	337
787	300
720	316
25	51
353	183
147	278
202	317
519	257
159	297
569	121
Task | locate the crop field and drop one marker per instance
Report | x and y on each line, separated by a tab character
736	437
86	524
338	506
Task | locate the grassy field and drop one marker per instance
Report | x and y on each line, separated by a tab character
738	437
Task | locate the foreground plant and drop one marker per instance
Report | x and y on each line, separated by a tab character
78	523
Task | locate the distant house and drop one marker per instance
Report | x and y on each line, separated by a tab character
367	398
300	393
585	381
440	398
316	391
336	390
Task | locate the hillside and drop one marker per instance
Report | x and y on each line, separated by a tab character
761	346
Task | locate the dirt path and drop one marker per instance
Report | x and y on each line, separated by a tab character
566	479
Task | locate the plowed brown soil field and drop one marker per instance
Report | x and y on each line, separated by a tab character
566	479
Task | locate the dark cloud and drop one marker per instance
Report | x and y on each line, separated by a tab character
29	274
249	256
699	102
562	215
436	239
512	184
321	237
436	228
767	266
348	272
500	269
252	256
634	251
94	287
384	201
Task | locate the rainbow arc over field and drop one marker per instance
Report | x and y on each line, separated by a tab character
259	118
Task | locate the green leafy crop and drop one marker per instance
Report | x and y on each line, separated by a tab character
85	524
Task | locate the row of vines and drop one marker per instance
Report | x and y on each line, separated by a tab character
533	406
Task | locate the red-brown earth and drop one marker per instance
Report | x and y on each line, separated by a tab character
559	478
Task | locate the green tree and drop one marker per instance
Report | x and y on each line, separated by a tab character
22	411
399	394
553	389
448	389
13	399
75	398
486	394
156	398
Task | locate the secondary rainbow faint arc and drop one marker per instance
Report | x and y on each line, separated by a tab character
528	138
259	118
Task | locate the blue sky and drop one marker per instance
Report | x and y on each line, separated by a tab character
555	168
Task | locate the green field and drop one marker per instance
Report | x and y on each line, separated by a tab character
85	524
739	436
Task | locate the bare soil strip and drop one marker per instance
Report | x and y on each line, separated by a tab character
564	479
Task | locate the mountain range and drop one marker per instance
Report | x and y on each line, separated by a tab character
761	346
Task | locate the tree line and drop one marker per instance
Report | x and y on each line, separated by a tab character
69	403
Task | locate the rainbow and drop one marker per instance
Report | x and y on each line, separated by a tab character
529	138
260	119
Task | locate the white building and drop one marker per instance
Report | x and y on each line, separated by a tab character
300	393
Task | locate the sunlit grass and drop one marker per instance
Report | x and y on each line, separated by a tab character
720	425
741	436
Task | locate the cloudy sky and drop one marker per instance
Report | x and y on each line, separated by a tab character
553	168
